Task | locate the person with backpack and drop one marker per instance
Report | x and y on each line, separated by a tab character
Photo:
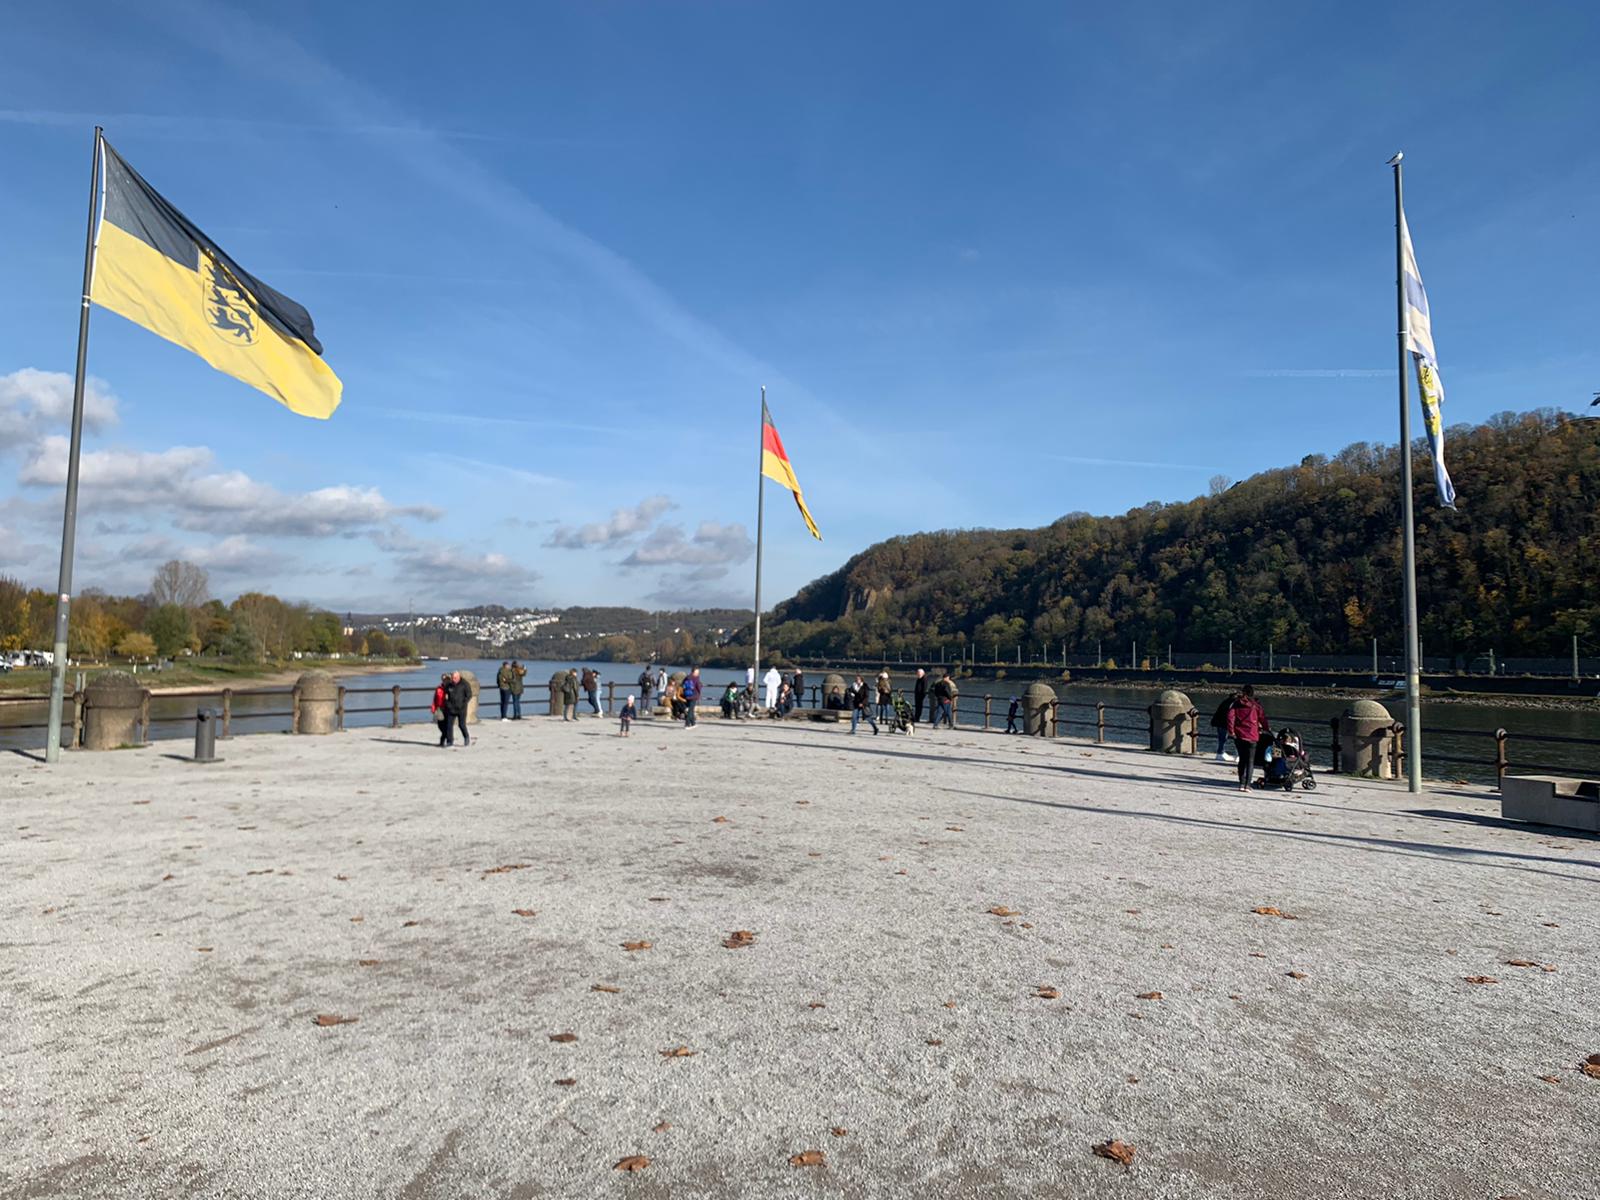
1247	726
944	701
502	680
647	681
691	696
518	674
569	695
861	706
1219	722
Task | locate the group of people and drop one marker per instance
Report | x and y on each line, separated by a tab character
1243	719
451	700
509	681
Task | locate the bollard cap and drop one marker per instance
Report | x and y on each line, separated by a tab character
1368	710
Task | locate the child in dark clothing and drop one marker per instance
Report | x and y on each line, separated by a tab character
1011	717
629	712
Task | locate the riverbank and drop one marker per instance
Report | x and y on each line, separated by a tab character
970	961
192	674
1384	695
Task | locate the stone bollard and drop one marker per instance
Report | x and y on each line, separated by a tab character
316	703
471	680
555	693
1036	701
1169	722
1366	740
111	706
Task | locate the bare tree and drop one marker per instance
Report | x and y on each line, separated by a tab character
1220	484
180	583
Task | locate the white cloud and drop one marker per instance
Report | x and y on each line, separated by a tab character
624	523
713	545
33	402
175	482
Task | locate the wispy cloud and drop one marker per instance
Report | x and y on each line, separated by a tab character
1126	462
624	524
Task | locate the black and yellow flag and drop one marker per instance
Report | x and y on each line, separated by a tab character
155	268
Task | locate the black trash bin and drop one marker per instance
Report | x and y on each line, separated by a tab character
205	735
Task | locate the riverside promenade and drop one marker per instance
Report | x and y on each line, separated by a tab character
950	965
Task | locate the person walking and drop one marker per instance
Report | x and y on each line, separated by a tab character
1012	714
502	680
436	709
861	706
944	700
691	696
457	699
647	681
1219	722
518	674
772	681
885	695
629	712
797	684
1247	725
591	688
569	695
920	694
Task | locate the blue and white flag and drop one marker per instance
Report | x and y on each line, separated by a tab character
1419	339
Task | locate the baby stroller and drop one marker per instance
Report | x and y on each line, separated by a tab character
904	719
1288	764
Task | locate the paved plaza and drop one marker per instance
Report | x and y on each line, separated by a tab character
951	965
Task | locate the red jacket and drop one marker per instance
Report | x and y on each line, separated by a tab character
438	699
1247	720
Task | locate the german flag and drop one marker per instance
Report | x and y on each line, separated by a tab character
775	466
154	267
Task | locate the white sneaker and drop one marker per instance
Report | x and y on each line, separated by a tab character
1222	756
505	718
1229	757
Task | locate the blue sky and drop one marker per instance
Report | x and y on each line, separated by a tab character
994	264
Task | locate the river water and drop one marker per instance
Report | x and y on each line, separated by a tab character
1451	730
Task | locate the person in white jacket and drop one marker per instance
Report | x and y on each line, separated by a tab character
773	682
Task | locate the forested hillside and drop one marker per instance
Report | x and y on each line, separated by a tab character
1305	557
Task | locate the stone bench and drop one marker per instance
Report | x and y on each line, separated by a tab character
1551	800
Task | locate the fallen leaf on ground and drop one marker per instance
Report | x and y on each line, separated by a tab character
813	853
1132	912
631	946
1027	925
1148	996
1268	910
1045	992
802	802
326	1019
1297	974
204	949
663	1127
1133	1079
934	1042
357	920
368	962
1116	1151
565	1082
1551	1078
720	821
563	1037
816	1004
1520	962
524	912
1591	1066
657	899
634	1162
164	878
603	987
739	939
409	924
808	1158
837	1131
954	829
678	1052
1481	979
501	870
1000	910
949	1003
902	871
342	878
885	858
1256	954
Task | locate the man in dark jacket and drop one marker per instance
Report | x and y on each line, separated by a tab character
797	684
518	674
457	697
569	695
502	680
920	693
861	706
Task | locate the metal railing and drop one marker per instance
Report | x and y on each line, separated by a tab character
1099	723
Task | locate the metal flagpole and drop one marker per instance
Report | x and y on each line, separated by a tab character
69	520
1408	522
761	500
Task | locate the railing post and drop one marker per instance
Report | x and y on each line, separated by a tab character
1194	724
77	716
611	695
294	709
338	709
227	712
987	703
1054	729
394	713
1397	753
144	716
1100	722
1333	724
1500	758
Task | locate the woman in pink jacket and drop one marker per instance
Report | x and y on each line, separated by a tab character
1247	724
